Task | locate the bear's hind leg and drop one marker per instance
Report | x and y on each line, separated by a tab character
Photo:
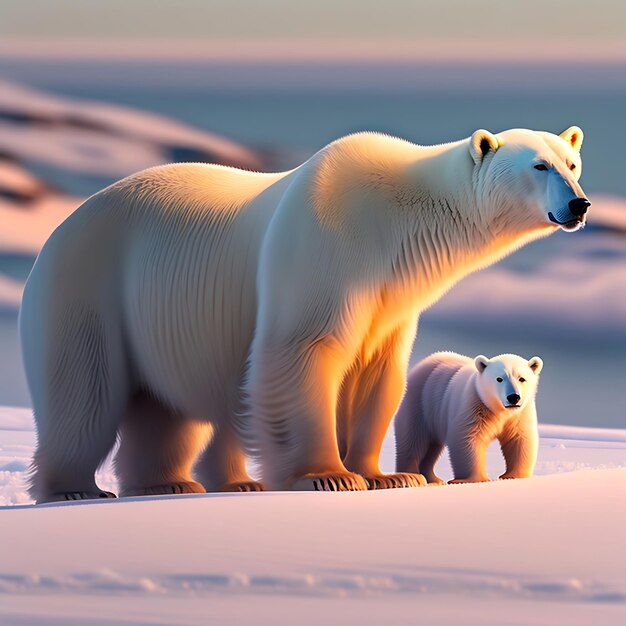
222	466
427	464
158	447
79	389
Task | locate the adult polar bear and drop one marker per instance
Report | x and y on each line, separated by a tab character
275	311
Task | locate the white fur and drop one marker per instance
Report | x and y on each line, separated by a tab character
465	404
278	309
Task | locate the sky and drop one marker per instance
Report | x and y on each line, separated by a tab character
569	29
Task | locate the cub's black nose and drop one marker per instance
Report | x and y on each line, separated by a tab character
579	206
513	398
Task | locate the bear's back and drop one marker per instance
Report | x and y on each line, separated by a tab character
190	190
429	382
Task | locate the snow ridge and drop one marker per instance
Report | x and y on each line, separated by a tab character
339	583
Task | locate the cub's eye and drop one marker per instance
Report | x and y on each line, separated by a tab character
542	167
522	380
572	166
499	379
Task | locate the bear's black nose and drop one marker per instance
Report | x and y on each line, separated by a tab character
579	206
513	398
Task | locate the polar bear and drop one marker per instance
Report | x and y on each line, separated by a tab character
465	404
202	313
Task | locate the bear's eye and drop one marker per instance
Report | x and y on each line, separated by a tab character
542	167
522	380
499	379
572	166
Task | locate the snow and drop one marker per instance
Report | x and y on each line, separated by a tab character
545	550
25	231
19	183
102	139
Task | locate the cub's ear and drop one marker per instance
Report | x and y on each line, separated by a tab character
574	137
481	363
480	143
535	364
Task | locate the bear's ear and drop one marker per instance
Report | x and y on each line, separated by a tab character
535	364
574	137
481	142
481	363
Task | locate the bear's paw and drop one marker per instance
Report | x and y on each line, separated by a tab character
66	496
470	479
401	480
166	489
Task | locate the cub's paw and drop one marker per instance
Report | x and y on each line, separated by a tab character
435	481
245	486
400	480
76	495
332	481
166	489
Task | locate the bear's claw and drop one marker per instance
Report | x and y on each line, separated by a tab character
400	480
246	486
330	482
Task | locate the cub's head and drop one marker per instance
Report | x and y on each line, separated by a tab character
530	178
507	382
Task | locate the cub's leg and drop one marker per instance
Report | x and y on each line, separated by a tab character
157	449
77	376
519	447
375	399
293	388
410	443
417	450
468	456
428	462
222	466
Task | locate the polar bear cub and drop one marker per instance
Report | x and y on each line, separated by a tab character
465	404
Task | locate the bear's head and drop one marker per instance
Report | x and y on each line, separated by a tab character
530	178
507	382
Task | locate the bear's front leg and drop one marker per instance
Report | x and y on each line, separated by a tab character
293	387
375	398
520	444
